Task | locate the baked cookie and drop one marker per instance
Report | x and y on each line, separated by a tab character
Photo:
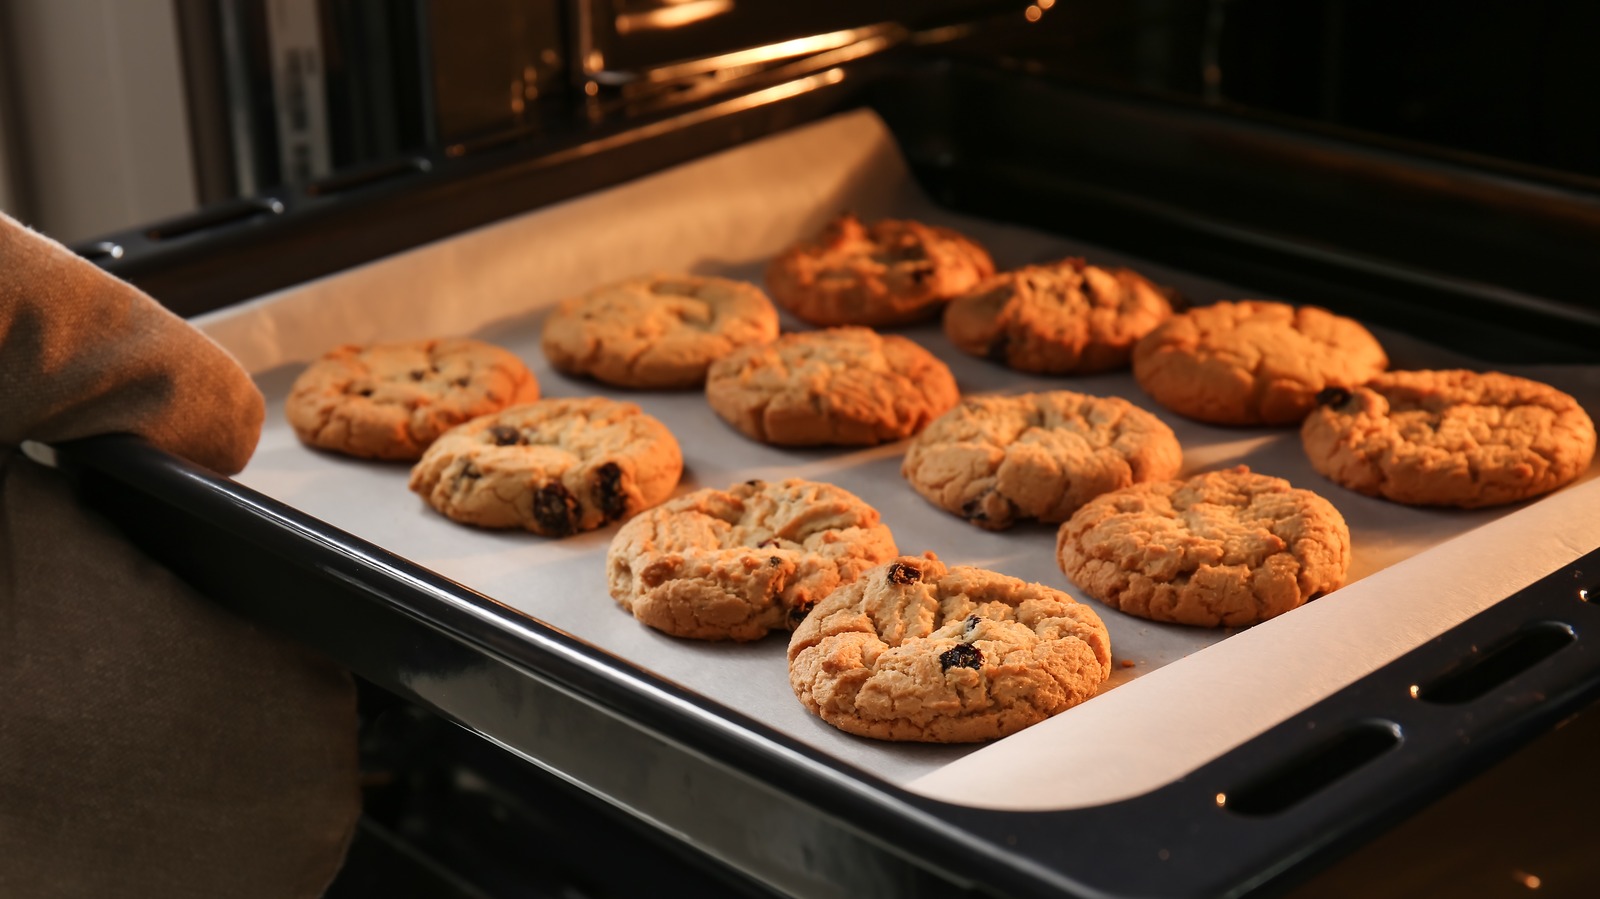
917	651
659	332
1253	361
996	459
554	467
1449	438
1063	318
841	386
888	273
734	564
1226	548
391	400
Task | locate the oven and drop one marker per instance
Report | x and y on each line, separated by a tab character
1235	148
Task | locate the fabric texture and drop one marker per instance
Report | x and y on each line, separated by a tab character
151	743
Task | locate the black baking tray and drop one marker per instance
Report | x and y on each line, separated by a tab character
1007	144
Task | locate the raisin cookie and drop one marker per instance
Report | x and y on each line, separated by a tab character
996	459
555	467
1449	438
1253	361
917	651
659	332
1226	548
734	564
888	273
391	400
1067	317
840	386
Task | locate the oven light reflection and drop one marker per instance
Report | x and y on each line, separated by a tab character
1032	13
1415	689
1222	799
1531	881
674	15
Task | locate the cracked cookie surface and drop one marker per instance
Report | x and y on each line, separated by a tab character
995	460
1450	438
887	273
658	332
736	564
839	386
1253	361
554	467
913	650
391	400
1066	317
1226	548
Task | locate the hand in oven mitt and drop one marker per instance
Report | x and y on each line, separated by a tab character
151	743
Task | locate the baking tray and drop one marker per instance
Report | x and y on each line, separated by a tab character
1126	794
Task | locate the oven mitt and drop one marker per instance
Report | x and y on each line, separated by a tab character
151	743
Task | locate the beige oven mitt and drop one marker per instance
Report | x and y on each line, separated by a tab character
151	743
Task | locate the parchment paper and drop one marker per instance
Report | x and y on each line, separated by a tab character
1189	695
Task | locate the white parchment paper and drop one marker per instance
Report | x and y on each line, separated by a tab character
1188	694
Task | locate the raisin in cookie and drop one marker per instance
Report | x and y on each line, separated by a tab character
734	564
1067	317
1449	438
888	273
659	332
554	467
1227	548
996	459
1253	361
917	651
391	400
841	386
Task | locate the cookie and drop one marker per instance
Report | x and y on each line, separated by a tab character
1449	438
555	467
917	651
1064	318
1226	548
659	332
841	386
888	273
391	400
735	564
996	459
1253	361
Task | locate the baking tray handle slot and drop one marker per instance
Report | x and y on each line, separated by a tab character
1482	672
1312	770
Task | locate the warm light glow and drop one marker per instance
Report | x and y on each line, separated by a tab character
1415	690
1531	881
1222	799
1033	13
1044	4
674	16
1583	594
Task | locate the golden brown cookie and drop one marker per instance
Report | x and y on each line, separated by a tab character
734	564
888	273
1225	548
1253	361
1449	438
555	467
658	332
391	400
1063	318
915	651
996	459
840	386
